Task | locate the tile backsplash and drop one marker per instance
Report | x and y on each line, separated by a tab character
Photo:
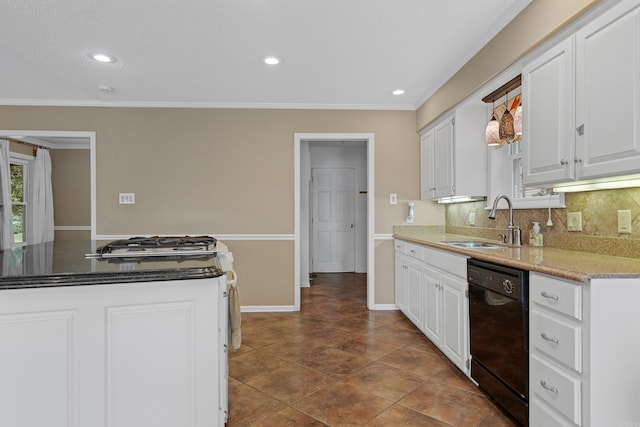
599	222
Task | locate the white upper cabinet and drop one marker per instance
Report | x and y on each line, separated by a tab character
608	93
547	126
436	160
443	165
453	155
427	153
592	132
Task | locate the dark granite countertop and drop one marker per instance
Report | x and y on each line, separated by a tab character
63	263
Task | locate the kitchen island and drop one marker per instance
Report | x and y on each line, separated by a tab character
111	342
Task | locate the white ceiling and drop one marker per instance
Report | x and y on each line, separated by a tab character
208	53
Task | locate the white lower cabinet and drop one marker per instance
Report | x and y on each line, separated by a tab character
408	278
584	353
436	301
446	321
432	326
414	292
401	275
556	335
455	323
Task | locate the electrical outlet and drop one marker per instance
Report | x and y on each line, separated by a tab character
624	221
127	198
574	221
393	199
472	218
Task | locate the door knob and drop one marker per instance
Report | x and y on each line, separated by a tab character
351	225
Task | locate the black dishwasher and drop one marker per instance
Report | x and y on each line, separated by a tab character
499	334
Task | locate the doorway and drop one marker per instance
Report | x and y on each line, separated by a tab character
311	152
333	220
65	141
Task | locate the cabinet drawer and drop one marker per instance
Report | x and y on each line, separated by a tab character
556	387
447	261
556	294
541	416
557	338
400	246
414	250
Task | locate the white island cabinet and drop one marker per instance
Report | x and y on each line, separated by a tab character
584	352
117	355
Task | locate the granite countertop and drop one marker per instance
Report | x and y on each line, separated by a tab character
63	263
572	265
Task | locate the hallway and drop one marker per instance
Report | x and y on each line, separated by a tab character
335	363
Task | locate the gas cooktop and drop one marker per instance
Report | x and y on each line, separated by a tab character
136	247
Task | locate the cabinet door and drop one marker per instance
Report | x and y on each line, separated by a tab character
608	93
548	116
427	186
401	282
414	293
454	315
223	344
432	326
443	158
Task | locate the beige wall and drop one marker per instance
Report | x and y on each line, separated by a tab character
71	186
230	171
536	23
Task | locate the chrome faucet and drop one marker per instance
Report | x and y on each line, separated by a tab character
514	230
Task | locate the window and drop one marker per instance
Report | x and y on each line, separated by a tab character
506	172
19	168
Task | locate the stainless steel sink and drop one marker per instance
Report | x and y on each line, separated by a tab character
471	244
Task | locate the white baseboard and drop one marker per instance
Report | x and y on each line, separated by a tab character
266	308
385	307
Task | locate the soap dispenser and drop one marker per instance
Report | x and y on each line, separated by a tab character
535	236
411	214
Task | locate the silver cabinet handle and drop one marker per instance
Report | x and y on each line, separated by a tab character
546	295
544	385
548	338
577	160
580	129
564	162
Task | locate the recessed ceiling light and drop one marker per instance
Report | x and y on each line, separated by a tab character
272	60
398	92
102	57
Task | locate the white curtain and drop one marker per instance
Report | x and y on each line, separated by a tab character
42	205
6	226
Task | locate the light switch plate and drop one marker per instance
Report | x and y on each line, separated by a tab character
574	221
127	198
393	199
624	221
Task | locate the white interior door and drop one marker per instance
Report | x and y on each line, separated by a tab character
333	220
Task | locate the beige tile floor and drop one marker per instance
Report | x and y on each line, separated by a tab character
335	363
